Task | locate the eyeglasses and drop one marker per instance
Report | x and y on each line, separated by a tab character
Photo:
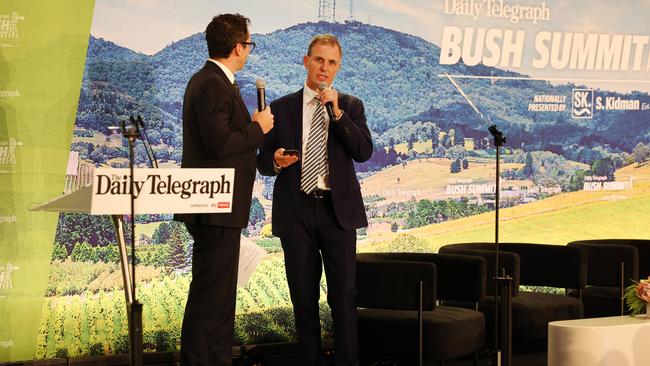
252	44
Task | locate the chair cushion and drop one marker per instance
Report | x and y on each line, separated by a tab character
448	332
531	313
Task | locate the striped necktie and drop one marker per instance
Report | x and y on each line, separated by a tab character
314	162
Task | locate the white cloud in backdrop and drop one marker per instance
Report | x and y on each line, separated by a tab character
148	26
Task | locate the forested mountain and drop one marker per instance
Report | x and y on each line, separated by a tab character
100	49
397	76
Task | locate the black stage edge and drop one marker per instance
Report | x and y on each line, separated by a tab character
149	358
271	354
276	354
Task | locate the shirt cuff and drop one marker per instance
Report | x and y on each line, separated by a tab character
276	167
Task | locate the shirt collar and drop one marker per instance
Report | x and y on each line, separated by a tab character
225	70
308	94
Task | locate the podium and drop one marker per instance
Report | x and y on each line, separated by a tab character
162	191
80	202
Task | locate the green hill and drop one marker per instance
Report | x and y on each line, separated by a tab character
555	220
592	221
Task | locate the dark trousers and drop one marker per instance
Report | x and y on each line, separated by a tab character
316	240
208	323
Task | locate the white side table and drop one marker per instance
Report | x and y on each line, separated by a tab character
610	341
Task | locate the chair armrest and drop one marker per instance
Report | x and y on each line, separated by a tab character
507	260
390	284
642	245
603	263
550	265
458	277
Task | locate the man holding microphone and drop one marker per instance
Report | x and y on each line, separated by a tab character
317	203
218	132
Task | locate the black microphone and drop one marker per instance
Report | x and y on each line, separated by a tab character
328	105
261	99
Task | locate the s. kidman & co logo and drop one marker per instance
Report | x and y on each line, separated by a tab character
582	105
586	101
9	27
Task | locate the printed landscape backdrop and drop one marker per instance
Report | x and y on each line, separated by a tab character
566	81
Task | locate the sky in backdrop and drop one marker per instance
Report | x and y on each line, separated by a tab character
148	26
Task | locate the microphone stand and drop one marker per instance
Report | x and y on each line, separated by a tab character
145	140
135	307
502	297
503	282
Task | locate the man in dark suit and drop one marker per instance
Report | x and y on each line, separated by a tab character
218	132
317	203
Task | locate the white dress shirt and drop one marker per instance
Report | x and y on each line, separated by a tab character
226	70
308	108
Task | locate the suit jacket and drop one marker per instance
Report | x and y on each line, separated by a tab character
218	133
348	139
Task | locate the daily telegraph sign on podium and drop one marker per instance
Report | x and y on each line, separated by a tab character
163	191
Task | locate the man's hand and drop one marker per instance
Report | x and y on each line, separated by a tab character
330	95
284	161
264	119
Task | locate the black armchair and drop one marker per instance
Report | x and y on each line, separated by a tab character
612	265
641	245
387	297
533	265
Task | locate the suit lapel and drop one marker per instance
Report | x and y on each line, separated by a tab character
296	110
237	94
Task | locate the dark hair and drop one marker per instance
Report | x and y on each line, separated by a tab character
224	32
327	39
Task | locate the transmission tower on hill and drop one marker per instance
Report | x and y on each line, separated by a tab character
351	10
327	11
